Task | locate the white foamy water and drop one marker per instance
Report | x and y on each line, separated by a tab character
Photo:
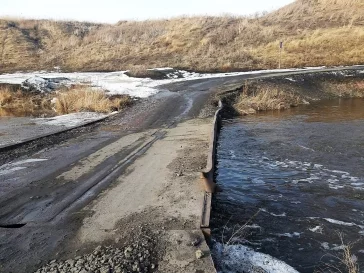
317	173
341	223
317	229
283	214
289	235
239	258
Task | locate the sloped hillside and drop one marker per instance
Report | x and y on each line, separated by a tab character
315	32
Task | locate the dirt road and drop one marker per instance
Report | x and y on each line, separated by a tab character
132	177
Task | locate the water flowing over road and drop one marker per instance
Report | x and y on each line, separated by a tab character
302	171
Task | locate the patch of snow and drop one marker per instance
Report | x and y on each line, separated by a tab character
161	68
12	167
70	120
41	84
118	82
32	160
290	79
6	171
239	258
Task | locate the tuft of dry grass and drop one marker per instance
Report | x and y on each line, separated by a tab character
78	99
81	99
6	97
20	103
264	98
347	262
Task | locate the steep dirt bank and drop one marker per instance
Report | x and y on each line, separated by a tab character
279	93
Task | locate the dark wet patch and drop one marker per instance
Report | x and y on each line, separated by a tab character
12	225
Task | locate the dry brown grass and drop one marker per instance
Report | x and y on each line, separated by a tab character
78	99
6	97
24	104
315	32
82	99
264	98
349	89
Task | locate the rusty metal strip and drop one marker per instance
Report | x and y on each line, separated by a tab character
208	175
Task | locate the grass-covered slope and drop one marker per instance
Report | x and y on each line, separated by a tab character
315	32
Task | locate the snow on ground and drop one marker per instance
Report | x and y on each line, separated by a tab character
70	120
10	168
117	82
239	258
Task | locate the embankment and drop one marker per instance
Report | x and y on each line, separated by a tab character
279	93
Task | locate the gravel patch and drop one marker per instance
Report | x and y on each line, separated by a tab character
139	256
133	258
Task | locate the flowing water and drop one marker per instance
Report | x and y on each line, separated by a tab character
295	181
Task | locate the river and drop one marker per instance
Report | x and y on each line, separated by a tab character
293	183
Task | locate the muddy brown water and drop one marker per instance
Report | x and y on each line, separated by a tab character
303	170
12	112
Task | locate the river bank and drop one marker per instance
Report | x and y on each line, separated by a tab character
280	93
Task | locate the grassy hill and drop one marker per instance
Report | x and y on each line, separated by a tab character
315	32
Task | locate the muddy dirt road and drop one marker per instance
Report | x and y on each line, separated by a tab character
138	171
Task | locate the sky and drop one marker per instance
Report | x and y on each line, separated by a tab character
112	11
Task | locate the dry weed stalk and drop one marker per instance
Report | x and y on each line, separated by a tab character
239	230
346	263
